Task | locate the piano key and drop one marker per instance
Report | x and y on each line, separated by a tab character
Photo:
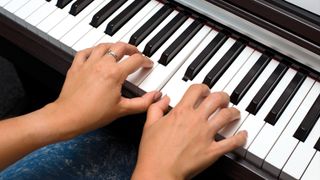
105	12
13	6
62	3
232	129
115	24
78	6
180	42
163	73
317	145
269	134
97	35
313	169
309	121
70	21
53	19
281	104
150	25
29	8
249	79
205	56
286	143
176	87
37	16
164	34
266	89
224	63
254	123
233	69
301	156
4	2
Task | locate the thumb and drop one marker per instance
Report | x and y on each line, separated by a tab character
156	111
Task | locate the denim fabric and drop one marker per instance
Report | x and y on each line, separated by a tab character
95	155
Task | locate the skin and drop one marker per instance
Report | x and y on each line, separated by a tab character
91	98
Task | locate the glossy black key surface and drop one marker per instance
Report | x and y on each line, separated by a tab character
202	59
266	89
116	23
285	98
150	25
317	145
62	3
180	42
217	71
78	6
249	79
164	34
309	121
105	12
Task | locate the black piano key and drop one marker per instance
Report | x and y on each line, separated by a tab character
249	79
309	121
105	12
78	6
266	89
180	42
317	145
116	23
285	98
150	25
216	72
164	34
62	3
202	59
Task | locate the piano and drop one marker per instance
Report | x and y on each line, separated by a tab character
265	54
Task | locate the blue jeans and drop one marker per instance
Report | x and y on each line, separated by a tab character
96	155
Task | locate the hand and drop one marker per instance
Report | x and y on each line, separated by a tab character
91	95
181	144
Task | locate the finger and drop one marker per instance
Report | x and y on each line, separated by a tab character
99	51
223	117
133	63
81	57
194	93
212	102
229	144
157	110
138	104
120	49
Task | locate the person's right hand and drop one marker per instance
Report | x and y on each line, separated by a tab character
181	144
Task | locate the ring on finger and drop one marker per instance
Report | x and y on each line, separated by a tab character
113	54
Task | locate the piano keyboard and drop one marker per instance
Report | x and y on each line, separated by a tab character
279	104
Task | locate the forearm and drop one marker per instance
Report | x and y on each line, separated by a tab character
21	135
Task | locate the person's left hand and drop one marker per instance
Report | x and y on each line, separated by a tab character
91	95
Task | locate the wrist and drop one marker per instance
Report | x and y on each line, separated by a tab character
141	173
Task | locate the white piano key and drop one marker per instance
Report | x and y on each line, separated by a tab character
83	27
242	72
54	18
254	123
70	21
260	147
286	143
133	21
243	104
302	155
176	87
163	73
29	8
37	16
312	171
127	37
96	34
138	76
233	69
4	2
13	6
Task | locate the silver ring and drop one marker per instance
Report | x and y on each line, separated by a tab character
113	54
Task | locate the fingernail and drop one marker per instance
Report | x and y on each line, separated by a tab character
157	96
245	133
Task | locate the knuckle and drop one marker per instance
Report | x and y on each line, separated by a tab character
101	46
